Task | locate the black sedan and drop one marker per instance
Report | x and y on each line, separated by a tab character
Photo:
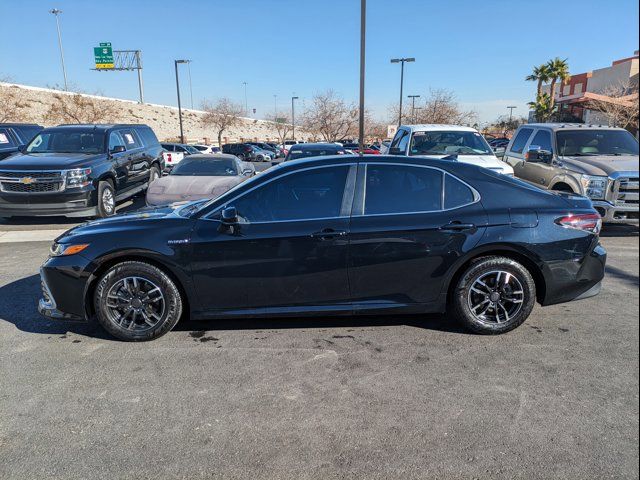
333	235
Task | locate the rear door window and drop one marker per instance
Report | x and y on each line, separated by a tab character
402	189
130	139
456	193
521	140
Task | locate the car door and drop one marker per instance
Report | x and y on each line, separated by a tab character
288	249
120	160
514	155
138	163
410	224
538	171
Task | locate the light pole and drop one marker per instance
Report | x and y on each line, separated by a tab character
57	12
401	61
246	104
176	62
363	27
413	106
293	118
511	112
275	107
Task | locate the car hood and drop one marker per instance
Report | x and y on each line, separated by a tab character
47	161
486	161
603	165
193	185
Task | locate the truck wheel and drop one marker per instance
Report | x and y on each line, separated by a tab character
494	295
136	301
106	199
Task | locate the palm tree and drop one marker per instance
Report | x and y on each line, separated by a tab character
542	107
558	70
540	74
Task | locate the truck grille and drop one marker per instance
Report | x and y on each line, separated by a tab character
626	191
31	182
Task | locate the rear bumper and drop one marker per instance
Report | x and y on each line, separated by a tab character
617	213
80	204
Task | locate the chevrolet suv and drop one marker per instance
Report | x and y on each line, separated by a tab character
79	170
595	161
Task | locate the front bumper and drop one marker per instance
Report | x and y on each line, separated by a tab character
64	282
617	213
77	204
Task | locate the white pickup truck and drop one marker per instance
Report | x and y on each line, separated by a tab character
175	152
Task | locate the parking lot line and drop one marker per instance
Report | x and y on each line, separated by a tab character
30	236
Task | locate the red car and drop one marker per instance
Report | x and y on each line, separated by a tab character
368	149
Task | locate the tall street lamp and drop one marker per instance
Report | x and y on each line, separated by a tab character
401	61
511	107
293	118
246	104
413	106
190	84
176	62
57	12
275	107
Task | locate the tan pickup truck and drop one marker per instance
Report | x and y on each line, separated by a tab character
595	161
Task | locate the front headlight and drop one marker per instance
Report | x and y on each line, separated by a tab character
594	187
62	250
78	177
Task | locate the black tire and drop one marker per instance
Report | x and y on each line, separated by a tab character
104	208
241	156
502	314
134	327
154	174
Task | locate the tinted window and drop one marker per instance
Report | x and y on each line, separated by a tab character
449	143
148	137
315	193
168	147
67	141
115	140
521	140
28	132
596	142
130	139
402	189
5	139
302	152
205	167
543	140
456	193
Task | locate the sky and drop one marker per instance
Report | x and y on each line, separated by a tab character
480	50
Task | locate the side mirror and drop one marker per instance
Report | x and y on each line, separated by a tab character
535	154
229	215
117	149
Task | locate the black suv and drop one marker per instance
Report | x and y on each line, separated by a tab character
15	135
243	151
79	170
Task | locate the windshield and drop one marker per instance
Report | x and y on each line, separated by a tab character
596	142
205	167
67	142
449	143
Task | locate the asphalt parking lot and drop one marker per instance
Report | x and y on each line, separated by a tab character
384	397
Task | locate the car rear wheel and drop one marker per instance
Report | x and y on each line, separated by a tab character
136	301
106	199
494	295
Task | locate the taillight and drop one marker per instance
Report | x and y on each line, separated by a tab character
589	222
169	157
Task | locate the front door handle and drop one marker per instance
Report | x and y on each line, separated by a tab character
328	233
457	226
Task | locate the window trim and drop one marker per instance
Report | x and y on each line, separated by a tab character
349	188
361	191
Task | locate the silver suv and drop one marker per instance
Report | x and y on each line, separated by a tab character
595	161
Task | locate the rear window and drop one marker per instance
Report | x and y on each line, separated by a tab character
456	193
521	140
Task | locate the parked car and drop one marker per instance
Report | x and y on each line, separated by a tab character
273	151
384	147
333	236
175	152
13	136
598	162
243	151
463	144
355	148
79	170
279	150
304	150
203	148
199	176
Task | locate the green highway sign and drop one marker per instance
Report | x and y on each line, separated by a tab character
103	56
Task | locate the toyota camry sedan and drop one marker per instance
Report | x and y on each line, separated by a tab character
338	235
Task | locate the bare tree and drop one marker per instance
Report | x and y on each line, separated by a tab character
80	108
619	104
222	115
506	125
330	117
13	105
282	125
439	107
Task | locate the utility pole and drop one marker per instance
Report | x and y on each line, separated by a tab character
293	118
413	106
176	62
363	26
190	84
57	12
401	61
275	107
246	104
140	87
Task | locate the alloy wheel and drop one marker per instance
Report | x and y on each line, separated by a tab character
135	303
108	201
495	297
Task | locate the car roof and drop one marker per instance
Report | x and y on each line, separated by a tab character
212	156
571	126
435	127
99	126
315	146
20	125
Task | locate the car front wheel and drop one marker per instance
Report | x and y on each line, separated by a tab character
106	199
136	301
494	295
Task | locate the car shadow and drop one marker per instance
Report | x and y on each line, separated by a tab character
619	230
18	305
620	274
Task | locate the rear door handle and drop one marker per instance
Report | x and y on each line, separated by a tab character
328	233
457	226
